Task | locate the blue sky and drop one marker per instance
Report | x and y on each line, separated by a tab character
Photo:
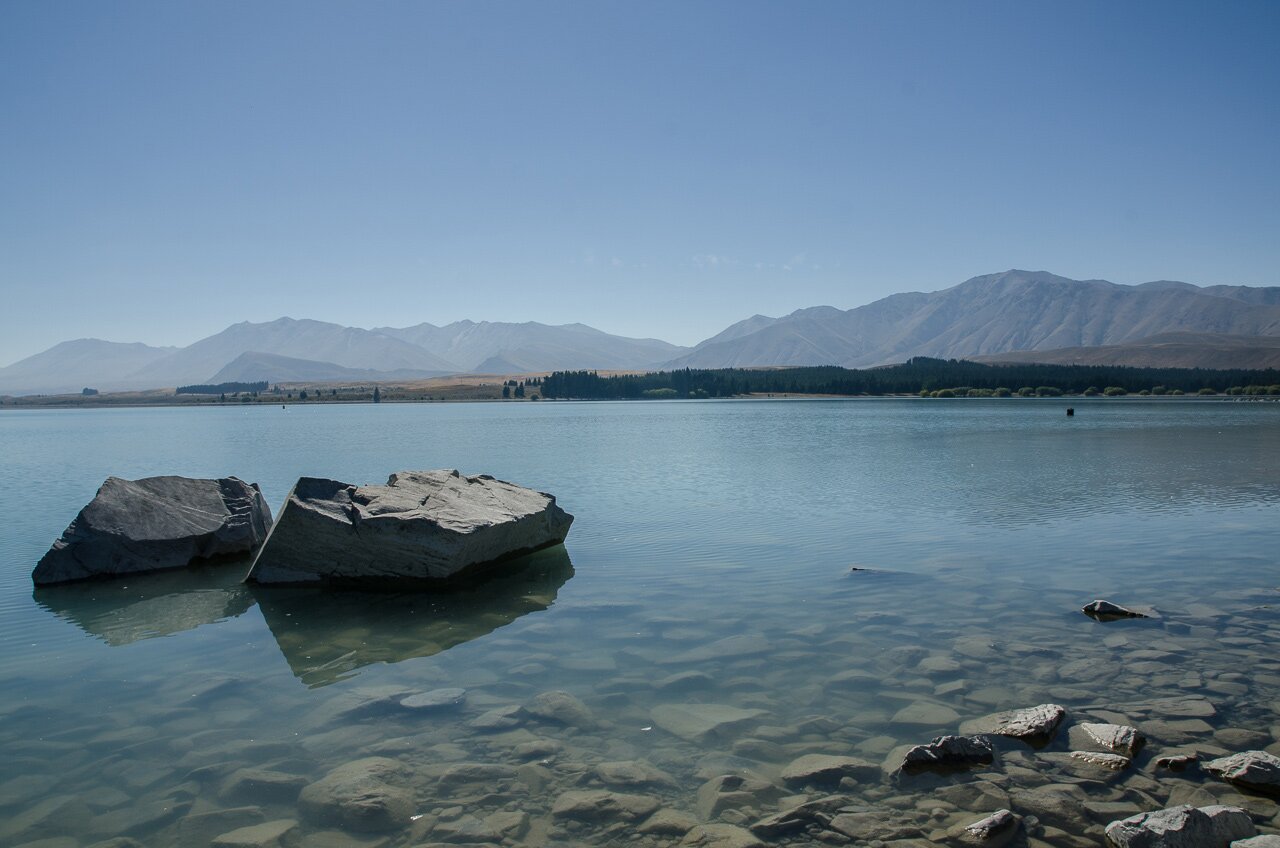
655	169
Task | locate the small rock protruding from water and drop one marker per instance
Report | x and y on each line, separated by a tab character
1184	826
1256	770
1114	738
994	831
1038	722
1114	762
949	752
1101	610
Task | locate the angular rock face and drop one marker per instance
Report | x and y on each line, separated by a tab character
156	523
1256	770
1182	827
1117	738
422	525
949	752
1037	722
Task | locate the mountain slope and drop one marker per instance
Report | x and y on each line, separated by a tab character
1167	350
1015	310
255	365
74	365
532	346
349	347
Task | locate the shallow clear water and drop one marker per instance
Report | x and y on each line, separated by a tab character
712	561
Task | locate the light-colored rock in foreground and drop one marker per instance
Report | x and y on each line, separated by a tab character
1116	738
156	523
994	831
422	525
1256	770
1037	722
1182	827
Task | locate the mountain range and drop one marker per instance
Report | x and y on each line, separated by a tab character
1011	316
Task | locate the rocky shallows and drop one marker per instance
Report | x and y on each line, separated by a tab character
156	523
427	526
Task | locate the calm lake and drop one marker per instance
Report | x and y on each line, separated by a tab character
816	577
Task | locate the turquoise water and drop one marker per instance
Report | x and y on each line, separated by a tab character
718	538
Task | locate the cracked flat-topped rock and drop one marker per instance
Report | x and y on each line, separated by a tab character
156	523
1038	722
430	526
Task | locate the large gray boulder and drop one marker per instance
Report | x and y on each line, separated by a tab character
422	525
156	523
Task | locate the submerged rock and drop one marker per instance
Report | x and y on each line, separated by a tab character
1107	611
420	526
1256	770
598	805
1037	722
696	722
360	796
156	523
949	752
819	769
1182	827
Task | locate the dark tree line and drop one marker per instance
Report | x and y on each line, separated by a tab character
919	374
222	388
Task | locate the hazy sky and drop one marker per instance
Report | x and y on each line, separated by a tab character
656	169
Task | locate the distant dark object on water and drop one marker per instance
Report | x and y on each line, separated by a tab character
1107	611
1071	410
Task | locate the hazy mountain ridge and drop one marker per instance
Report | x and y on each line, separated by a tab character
255	365
289	349
533	346
995	313
82	363
984	316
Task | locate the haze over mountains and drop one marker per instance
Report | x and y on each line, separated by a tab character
1014	311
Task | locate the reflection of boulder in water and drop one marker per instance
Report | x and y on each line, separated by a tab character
326	635
143	606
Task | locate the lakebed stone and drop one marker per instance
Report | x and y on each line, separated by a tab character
994	831
696	722
421	526
1256	770
819	769
361	795
1183	826
1115	738
1038	722
156	523
949	752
